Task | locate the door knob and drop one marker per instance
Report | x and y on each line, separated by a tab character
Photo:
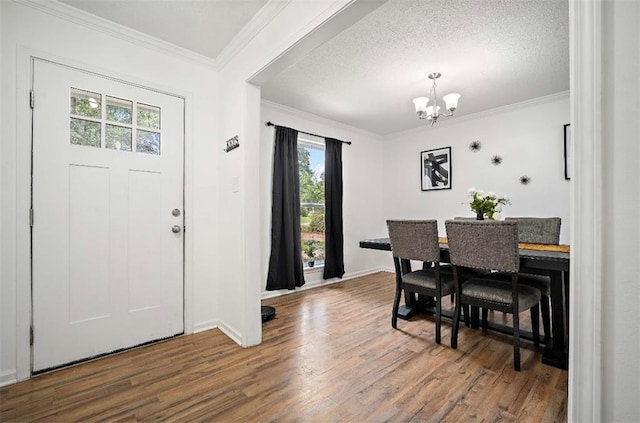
176	229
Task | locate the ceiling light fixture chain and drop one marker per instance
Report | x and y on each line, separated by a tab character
432	112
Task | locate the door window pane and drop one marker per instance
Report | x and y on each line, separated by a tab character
119	110
148	116
85	132
118	138
85	103
148	142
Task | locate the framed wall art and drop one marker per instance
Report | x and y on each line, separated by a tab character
568	158
435	169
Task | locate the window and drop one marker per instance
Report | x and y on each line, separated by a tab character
311	168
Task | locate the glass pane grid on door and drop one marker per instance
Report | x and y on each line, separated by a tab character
115	123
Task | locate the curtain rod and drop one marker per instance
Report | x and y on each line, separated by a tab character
308	133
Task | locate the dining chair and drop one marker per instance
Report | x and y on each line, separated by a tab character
466	272
491	245
538	230
418	240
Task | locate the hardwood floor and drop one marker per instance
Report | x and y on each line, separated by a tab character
329	355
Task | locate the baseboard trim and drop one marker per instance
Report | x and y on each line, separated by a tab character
224	328
280	292
8	377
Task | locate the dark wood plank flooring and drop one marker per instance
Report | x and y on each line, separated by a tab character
330	355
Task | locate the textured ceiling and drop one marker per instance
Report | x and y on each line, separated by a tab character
494	53
202	26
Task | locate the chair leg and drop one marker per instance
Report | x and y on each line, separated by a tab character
456	323
475	317
396	304
467	315
546	318
516	340
535	324
485	317
438	317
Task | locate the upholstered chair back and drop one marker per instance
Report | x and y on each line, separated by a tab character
414	239
538	230
484	244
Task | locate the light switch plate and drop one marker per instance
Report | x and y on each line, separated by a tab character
235	184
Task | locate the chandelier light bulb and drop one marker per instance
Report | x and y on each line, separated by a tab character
421	106
431	111
451	101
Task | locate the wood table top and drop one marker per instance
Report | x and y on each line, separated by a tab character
562	248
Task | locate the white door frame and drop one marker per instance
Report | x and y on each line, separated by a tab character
23	194
585	313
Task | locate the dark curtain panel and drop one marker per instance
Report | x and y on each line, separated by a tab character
334	240
285	263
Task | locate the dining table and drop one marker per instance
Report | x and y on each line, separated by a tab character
540	259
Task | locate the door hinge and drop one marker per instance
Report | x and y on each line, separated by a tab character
31	336
32	100
31	217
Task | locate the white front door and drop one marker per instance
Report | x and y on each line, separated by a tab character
107	198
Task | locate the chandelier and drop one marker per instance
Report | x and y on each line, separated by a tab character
432	112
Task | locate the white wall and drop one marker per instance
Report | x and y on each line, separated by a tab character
529	138
604	376
6	374
621	202
37	29
362	198
297	28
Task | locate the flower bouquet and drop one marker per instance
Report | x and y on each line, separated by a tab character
487	205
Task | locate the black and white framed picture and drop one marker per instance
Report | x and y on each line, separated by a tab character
568	158
435	169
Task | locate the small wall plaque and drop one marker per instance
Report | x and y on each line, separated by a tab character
232	144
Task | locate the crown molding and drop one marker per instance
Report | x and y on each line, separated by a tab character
265	15
485	113
80	17
318	119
